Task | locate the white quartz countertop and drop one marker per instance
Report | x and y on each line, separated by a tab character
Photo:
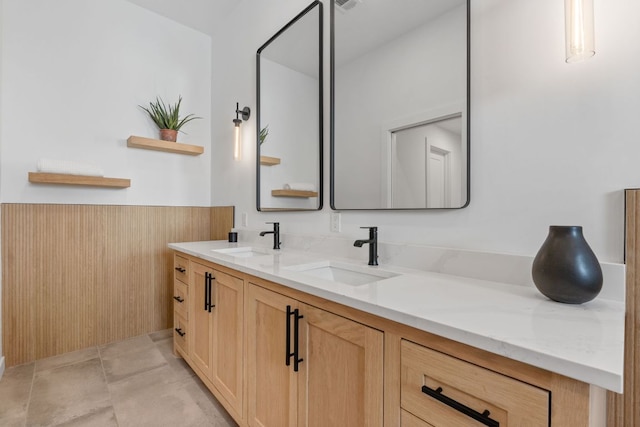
584	342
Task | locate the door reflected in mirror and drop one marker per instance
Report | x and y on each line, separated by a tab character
425	163
289	115
400	104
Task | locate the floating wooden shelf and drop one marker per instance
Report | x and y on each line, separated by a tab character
90	181
269	161
158	145
293	193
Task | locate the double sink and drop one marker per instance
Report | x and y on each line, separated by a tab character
339	272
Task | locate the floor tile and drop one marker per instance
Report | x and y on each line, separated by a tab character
101	418
67	393
119	365
161	335
15	389
144	382
209	405
150	399
135	382
122	347
66	359
176	363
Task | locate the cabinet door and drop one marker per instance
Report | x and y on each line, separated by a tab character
272	386
341	378
200	318
227	343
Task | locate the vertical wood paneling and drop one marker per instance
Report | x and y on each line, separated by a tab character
74	276
624	410
221	222
18	246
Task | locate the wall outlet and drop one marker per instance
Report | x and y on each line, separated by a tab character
244	219
336	225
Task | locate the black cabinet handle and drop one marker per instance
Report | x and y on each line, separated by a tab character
296	334
179	331
470	412
288	338
296	318
180	300
206	291
180	269
211	279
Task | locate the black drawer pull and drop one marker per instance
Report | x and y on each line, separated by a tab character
179	331
288	336
180	269
470	412
296	335
180	300
207	290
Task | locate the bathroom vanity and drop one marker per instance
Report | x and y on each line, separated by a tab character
288	338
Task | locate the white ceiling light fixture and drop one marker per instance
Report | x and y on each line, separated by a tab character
579	30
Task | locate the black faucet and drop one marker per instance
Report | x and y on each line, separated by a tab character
373	245
275	232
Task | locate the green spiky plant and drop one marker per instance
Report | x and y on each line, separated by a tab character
264	132
168	116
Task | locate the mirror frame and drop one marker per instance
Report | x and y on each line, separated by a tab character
332	121
306	10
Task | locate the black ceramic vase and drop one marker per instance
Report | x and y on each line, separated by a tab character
565	268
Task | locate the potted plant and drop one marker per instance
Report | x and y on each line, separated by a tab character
167	118
264	132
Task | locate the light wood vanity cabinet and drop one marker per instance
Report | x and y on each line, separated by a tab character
310	367
215	317
245	334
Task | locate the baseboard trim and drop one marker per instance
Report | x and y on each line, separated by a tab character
1	367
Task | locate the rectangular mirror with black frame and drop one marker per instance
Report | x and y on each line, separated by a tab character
399	104
289	115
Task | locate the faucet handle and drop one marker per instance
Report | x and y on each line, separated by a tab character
371	228
271	222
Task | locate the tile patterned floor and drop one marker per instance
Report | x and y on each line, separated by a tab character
137	382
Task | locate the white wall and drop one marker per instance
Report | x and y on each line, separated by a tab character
74	74
551	143
1	57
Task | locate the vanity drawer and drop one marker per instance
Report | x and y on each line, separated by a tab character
407	419
181	268
180	331
443	391
180	298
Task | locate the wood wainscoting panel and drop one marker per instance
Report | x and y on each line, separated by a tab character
221	222
623	410
75	276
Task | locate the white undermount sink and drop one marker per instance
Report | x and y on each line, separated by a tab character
347	274
243	251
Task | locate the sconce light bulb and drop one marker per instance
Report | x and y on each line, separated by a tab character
579	30
236	144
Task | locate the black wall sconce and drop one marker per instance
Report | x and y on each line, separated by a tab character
241	115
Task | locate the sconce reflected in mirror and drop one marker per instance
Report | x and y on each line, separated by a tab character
240	116
579	33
